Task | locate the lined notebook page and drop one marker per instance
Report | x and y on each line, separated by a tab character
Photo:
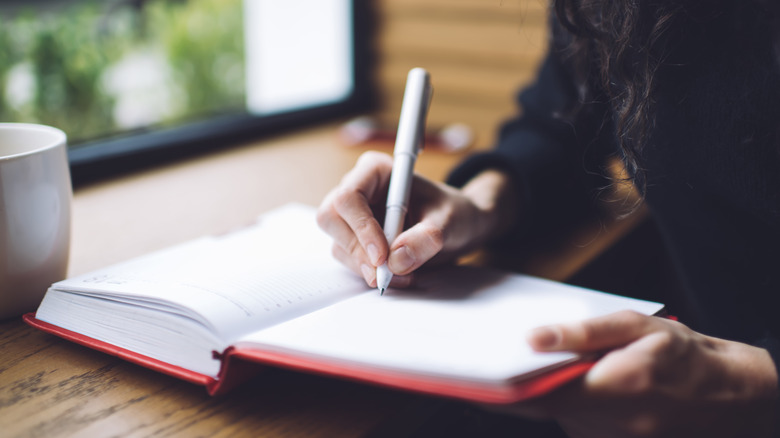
243	281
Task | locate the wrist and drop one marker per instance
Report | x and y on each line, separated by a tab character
493	193
751	384
757	367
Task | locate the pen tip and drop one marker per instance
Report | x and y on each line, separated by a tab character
381	291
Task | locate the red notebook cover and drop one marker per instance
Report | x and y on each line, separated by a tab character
238	365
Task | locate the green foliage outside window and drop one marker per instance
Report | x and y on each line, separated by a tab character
96	68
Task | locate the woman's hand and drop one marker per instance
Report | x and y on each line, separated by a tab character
443	222
659	378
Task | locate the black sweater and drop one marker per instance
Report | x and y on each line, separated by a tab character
712	165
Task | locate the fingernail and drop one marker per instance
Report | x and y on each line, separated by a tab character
373	253
401	260
368	273
544	338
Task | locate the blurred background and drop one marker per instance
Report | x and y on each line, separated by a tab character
99	68
479	53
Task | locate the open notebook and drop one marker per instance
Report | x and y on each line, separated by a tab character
211	310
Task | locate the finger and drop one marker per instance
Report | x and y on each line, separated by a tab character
627	370
363	186
362	224
367	271
351	261
414	247
330	222
596	334
370	175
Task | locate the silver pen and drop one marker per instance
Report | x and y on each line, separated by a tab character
408	143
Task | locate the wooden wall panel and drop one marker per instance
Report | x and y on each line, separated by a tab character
479	53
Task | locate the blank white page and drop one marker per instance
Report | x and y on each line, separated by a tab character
463	323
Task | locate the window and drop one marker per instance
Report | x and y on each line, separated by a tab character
134	82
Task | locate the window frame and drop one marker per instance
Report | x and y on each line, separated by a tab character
111	156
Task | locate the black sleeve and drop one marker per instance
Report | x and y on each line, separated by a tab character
553	151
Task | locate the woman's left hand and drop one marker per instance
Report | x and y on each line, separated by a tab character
659	378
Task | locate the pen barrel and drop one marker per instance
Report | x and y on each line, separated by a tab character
408	143
398	195
401	180
394	223
414	110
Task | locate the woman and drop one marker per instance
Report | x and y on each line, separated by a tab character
687	94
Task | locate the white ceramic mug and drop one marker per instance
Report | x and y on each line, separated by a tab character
35	199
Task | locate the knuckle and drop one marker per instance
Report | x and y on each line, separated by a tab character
435	237
342	257
324	217
343	198
371	158
665	340
363	224
669	345
587	332
353	248
629	316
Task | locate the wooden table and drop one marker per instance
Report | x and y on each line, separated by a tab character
53	388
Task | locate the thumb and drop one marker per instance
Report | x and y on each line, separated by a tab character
414	247
596	334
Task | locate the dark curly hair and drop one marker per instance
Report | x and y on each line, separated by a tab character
619	45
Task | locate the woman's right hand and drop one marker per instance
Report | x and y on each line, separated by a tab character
443	222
